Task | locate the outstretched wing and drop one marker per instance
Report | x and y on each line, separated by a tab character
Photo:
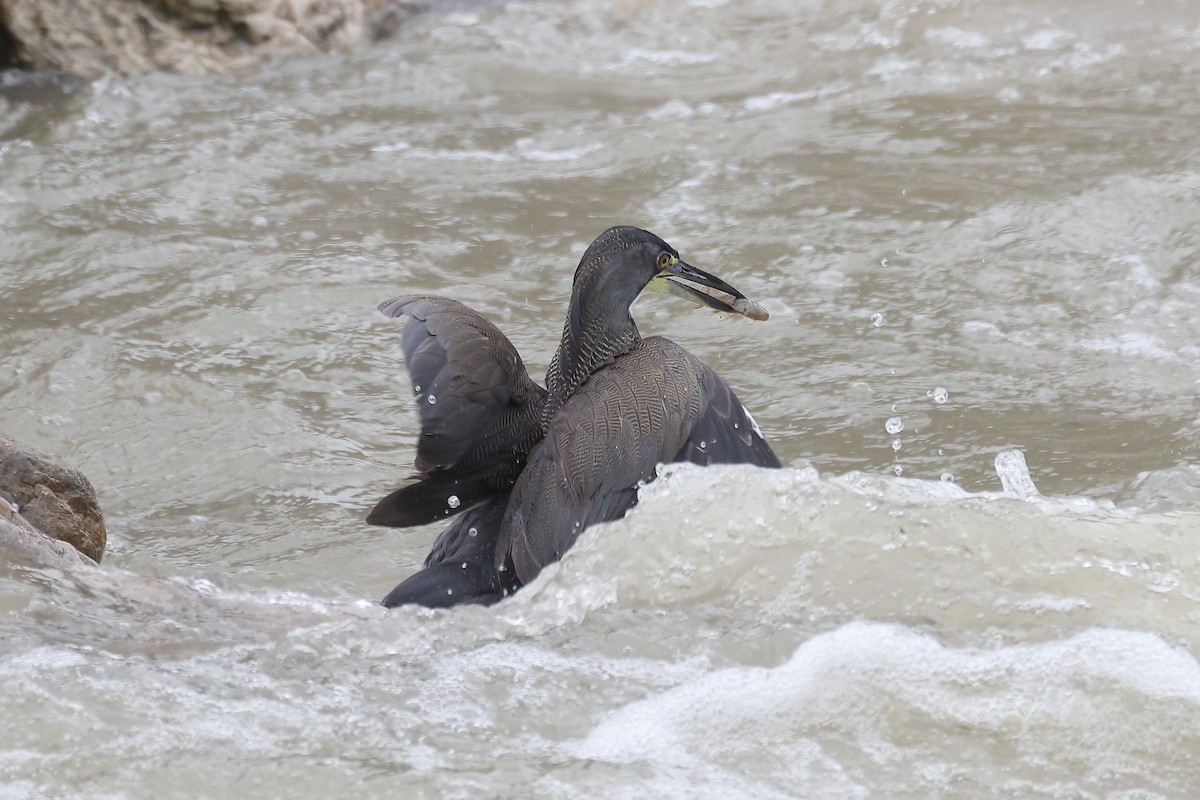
480	412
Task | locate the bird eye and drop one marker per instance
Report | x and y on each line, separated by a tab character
665	260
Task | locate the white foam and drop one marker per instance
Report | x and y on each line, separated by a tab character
1014	474
957	37
861	686
45	659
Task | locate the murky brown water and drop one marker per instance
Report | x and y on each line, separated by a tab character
976	228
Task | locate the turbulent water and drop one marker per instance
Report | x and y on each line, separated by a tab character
976	226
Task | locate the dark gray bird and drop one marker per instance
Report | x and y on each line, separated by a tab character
531	468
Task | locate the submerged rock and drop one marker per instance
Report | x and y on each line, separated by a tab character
90	37
52	497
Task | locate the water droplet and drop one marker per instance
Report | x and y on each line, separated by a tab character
948	477
416	388
452	501
472	532
894	425
940	395
896	444
899	470
576	523
432	399
735	426
464	565
877	319
883	263
703	444
449	591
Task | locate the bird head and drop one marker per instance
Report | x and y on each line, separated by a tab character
625	261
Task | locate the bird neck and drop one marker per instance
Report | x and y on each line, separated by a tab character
590	342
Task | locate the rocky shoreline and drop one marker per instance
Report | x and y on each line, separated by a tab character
87	38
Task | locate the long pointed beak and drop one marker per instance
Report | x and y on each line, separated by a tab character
684	280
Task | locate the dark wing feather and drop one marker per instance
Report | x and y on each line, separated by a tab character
460	568
445	585
726	433
604	441
480	411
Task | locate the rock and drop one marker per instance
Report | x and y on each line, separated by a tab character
52	496
90	37
20	541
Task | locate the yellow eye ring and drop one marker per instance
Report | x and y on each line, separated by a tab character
665	261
